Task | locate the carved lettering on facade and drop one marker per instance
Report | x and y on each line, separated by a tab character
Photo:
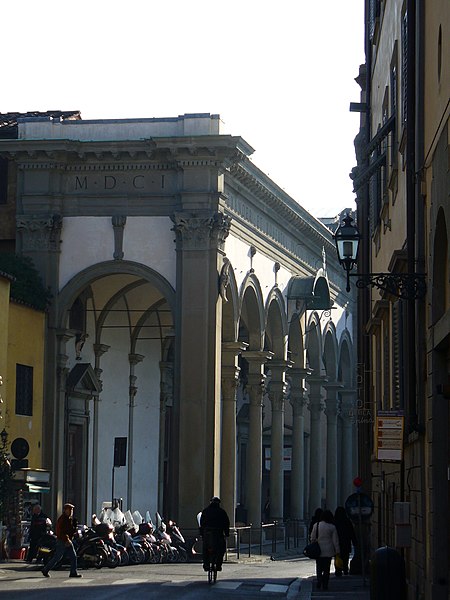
124	181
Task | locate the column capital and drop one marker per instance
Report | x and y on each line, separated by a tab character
257	358
230	352
100	349
331	407
300	373
135	358
230	382
333	386
320	380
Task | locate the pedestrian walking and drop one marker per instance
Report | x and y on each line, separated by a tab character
38	526
214	522
325	533
65	530
347	537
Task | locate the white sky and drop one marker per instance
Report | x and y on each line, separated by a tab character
280	74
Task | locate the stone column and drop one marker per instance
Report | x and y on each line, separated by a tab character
230	381
298	401
255	388
200	236
133	359
165	400
316	468
277	395
332	411
99	350
348	416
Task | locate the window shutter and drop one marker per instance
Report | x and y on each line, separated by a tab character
404	67
397	354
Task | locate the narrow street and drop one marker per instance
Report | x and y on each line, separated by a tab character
290	578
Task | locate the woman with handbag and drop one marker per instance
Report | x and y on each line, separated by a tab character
325	533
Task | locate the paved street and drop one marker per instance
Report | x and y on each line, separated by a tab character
290	578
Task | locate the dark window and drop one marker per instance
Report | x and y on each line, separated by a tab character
3	180
24	390
374	15
404	66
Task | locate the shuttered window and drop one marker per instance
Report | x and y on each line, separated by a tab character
24	390
398	355
3	180
404	78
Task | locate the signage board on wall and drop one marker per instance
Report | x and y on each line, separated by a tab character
389	436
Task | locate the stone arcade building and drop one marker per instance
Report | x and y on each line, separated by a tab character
199	318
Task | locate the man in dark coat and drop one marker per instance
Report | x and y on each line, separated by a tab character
38	527
214	527
65	530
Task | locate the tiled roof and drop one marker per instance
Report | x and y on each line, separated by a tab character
8	121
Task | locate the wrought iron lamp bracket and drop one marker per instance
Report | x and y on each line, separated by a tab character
407	286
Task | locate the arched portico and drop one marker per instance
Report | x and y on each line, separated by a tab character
118	318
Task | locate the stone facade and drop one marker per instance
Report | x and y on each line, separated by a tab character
403	190
198	312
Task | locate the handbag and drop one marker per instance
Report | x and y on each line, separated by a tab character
338	562
312	550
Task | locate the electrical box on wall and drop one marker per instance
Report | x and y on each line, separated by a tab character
402	513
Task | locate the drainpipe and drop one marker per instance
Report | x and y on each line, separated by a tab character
411	212
420	254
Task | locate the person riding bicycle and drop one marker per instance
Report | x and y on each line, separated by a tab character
214	527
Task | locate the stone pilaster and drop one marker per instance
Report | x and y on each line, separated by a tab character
332	411
200	236
298	401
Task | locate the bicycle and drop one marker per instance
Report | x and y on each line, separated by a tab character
210	539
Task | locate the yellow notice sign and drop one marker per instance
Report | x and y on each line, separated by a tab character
389	438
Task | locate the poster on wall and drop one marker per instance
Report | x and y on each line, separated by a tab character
389	436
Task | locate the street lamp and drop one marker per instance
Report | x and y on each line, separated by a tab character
403	285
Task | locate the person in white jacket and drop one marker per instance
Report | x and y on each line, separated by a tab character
325	533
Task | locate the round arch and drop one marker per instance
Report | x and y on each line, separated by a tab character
251	314
82	279
275	335
329	356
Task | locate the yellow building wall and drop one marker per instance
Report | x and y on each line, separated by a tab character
26	347
4	312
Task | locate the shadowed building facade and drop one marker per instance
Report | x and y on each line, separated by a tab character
198	313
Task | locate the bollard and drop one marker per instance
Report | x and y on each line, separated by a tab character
387	575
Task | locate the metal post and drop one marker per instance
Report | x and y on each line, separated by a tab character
112	488
361	541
